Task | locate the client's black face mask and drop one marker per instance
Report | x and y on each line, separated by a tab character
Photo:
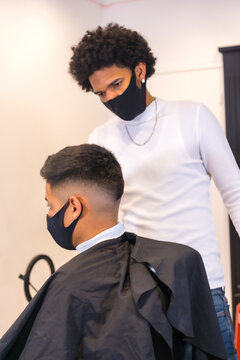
61	234
131	103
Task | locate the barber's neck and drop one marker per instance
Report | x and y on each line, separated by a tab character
149	98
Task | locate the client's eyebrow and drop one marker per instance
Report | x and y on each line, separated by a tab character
109	85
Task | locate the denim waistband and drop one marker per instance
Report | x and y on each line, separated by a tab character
219	290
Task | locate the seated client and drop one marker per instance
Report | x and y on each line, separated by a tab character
122	296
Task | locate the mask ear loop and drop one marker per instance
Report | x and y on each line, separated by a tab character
81	210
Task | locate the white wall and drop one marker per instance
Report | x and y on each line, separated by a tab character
181	34
42	110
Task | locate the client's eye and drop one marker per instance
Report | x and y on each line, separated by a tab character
117	83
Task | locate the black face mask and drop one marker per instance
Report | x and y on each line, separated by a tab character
131	103
61	234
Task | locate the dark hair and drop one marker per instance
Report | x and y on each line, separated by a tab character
87	163
112	45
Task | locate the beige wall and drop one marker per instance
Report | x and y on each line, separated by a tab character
42	109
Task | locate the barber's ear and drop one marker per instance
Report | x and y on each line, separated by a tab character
76	206
140	72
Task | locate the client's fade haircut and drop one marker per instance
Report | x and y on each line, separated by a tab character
87	163
106	46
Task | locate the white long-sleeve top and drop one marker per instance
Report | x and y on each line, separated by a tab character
167	180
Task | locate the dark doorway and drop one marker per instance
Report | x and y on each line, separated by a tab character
231	62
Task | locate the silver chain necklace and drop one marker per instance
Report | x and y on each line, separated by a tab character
152	132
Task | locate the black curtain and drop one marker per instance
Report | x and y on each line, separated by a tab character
231	63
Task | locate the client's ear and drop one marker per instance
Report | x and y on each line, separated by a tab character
76	206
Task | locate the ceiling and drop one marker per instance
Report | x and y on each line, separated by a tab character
108	3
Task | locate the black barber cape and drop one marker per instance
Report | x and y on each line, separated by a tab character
107	303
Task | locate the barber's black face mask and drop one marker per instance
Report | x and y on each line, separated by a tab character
131	103
61	234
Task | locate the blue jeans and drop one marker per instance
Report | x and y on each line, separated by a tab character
226	326
225	322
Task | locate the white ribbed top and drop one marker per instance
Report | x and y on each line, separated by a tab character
167	180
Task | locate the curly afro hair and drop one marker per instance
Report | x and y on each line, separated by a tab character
112	45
